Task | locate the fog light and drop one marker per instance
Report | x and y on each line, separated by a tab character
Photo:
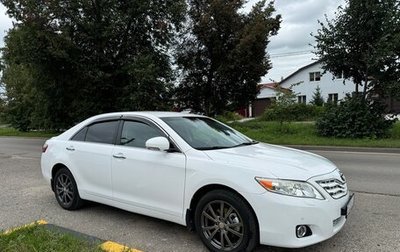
301	231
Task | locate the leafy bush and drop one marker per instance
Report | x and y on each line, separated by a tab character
292	112
354	117
228	117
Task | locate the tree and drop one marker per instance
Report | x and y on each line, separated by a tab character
87	57
280	108
317	98
363	43
21	97
222	54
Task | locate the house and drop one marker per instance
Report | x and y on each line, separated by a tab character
266	95
305	81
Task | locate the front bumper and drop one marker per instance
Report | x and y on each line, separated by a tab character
278	215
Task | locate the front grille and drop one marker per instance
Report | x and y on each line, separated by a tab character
334	187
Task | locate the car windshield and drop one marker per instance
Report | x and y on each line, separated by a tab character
203	133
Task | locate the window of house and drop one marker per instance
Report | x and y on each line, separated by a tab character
315	76
102	132
339	76
333	98
301	99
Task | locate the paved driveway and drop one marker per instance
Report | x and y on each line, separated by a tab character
374	224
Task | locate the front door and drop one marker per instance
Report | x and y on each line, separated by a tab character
144	178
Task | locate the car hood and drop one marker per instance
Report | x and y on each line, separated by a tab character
281	162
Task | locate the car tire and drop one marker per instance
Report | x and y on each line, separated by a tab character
66	191
236	229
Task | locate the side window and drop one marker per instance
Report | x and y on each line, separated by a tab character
333	98
136	134
315	76
312	78
301	99
102	132
80	136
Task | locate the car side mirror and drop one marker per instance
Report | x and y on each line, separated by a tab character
157	143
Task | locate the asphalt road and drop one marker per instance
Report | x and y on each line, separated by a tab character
374	224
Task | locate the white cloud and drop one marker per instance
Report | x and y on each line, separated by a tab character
299	19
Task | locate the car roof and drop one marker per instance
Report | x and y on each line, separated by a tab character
158	114
148	114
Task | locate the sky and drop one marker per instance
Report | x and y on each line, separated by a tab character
290	49
299	19
5	24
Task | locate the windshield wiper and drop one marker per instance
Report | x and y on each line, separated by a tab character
246	143
214	147
225	147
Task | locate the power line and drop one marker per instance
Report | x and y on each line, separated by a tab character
293	52
289	54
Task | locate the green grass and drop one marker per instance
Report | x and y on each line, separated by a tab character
6	131
304	133
38	238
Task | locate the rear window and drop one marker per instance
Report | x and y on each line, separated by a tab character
80	136
102	132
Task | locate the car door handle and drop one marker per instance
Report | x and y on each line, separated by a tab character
70	148
119	156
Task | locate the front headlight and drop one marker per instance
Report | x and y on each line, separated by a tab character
290	187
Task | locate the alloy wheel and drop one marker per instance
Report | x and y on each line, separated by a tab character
222	225
64	189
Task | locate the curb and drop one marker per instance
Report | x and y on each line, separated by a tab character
343	148
39	222
105	245
110	246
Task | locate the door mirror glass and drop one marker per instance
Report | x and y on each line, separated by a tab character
157	143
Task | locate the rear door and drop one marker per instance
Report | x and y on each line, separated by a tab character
144	178
90	152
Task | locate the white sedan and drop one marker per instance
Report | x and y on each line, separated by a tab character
195	171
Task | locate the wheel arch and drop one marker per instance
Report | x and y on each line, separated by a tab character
54	171
203	191
76	201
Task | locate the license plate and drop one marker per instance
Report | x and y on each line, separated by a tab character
345	211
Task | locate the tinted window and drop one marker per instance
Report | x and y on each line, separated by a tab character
80	136
137	133
102	132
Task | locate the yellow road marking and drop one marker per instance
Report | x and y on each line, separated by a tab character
110	246
39	222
